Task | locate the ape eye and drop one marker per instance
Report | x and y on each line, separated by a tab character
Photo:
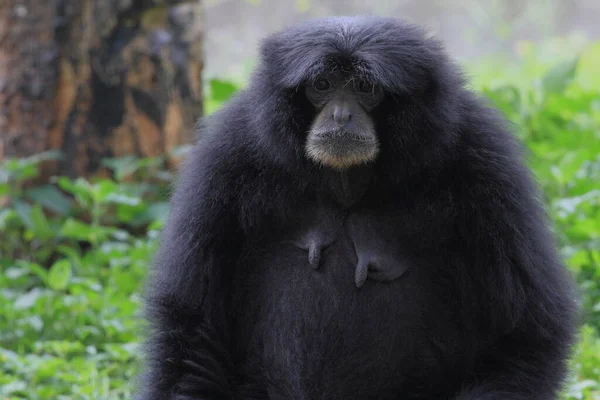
322	84
365	87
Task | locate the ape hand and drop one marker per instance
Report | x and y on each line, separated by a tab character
377	265
379	256
317	233
314	242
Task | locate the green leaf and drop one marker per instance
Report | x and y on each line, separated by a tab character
80	188
154	212
35	269
104	189
41	226
51	198
23	210
5	216
221	90
121	166
5	188
60	275
21	169
119	198
558	77
74	229
71	253
17	170
34	219
507	98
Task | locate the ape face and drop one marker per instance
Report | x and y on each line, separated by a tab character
342	133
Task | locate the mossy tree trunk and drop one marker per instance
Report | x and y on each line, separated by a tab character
98	78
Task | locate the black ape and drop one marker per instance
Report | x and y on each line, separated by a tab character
357	225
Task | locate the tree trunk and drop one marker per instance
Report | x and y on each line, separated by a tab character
98	78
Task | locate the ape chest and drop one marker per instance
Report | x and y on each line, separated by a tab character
339	297
316	326
342	275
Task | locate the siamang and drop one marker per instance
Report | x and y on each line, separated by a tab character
357	224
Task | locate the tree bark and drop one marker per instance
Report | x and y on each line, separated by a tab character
98	78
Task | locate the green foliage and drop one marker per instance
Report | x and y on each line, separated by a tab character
73	257
555	108
218	92
74	253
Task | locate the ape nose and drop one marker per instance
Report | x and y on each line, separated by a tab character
342	115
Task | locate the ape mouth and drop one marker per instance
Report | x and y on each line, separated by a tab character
339	149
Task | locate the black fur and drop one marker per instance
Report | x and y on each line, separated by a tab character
482	307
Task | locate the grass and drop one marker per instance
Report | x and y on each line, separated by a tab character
74	253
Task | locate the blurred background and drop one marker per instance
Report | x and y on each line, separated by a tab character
98	101
469	28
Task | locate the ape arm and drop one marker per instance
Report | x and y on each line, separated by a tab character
528	303
188	292
519	367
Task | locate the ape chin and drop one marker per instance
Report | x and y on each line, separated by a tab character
356	224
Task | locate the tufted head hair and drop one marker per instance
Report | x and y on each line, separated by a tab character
395	54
